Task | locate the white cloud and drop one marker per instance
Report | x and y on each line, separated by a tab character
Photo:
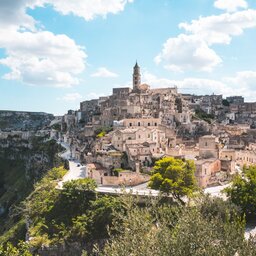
193	50
244	83
104	72
38	57
13	15
34	56
230	5
42	58
187	52
87	9
71	97
219	29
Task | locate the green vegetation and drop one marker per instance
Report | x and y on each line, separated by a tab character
243	191
76	217
174	176
21	250
20	167
225	103
118	170
57	127
101	132
72	214
84	222
199	113
164	230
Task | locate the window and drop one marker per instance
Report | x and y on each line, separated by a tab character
155	124
138	123
206	144
148	124
148	135
139	136
130	124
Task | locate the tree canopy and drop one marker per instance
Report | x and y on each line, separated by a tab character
166	230
174	176
243	191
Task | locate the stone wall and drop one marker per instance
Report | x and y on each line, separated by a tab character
125	178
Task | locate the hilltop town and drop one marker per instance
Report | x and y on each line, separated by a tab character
74	172
119	137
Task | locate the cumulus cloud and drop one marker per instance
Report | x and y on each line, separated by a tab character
219	29
42	58
188	52
230	5
71	97
13	15
87	9
193	50
39	57
104	72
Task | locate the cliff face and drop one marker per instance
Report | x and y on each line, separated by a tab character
22	163
17	121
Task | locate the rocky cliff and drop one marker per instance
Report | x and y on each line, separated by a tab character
17	120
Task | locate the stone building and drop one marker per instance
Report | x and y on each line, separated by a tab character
141	101
208	147
206	170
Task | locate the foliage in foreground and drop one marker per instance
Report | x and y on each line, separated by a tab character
21	250
164	230
73	214
174	176
243	191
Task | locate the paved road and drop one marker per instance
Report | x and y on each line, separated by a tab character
216	191
76	170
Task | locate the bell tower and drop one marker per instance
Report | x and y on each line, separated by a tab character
136	77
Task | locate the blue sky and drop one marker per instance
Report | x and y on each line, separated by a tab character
56	53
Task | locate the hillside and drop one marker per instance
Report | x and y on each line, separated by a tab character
21	120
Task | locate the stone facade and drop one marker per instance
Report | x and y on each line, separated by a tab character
206	169
139	102
208	147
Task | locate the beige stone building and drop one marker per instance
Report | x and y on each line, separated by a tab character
140	144
206	169
165	104
209	147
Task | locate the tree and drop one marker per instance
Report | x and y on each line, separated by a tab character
77	195
166	230
174	176
243	191
21	250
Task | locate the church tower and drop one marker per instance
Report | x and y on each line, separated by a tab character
136	77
